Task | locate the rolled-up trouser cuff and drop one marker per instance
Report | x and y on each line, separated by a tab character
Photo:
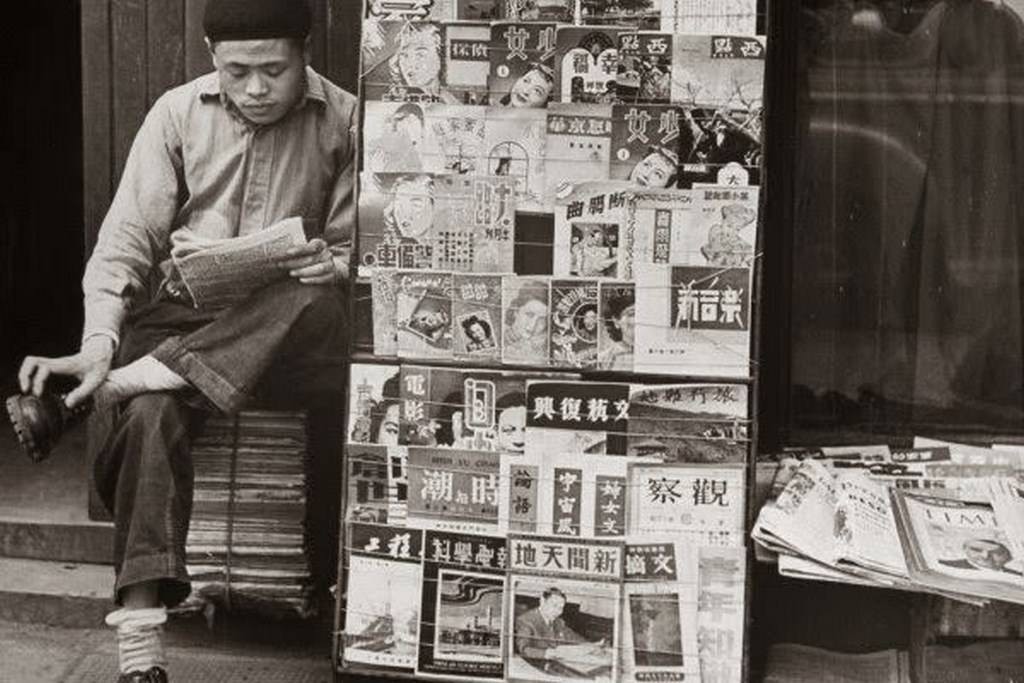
167	568
208	381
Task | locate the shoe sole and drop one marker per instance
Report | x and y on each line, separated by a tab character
23	432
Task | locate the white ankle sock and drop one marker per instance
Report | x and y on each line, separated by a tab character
139	638
138	377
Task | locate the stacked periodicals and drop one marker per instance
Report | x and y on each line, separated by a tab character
941	517
246	543
558	208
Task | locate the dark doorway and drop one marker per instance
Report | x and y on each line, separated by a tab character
41	238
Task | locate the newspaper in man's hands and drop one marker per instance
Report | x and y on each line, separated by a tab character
222	272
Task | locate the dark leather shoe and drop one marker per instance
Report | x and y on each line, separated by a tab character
39	421
154	675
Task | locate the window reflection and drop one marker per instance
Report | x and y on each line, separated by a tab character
907	289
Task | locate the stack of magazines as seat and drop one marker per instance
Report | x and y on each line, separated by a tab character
941	517
246	543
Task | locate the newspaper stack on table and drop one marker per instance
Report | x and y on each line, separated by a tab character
940	518
246	544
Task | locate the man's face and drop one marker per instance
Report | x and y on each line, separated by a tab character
263	78
531	319
532	89
512	429
552	606
595	238
590	320
413	209
418	61
654	170
986	554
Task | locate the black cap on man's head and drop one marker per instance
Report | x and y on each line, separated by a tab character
256	19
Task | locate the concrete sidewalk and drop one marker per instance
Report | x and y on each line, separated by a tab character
32	653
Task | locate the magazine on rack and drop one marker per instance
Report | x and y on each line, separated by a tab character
589	418
515	146
698	423
720	613
563	11
574	323
591	238
403	61
382	609
526	308
384	309
477	318
453	139
374	411
394	137
468	409
659	612
564	609
578	146
452	489
522	60
617	332
423	313
474	223
637	14
463	628
694	320
368	493
648	141
467	46
702	504
586	64
409	10
645	68
710	17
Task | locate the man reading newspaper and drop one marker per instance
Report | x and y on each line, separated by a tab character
262	139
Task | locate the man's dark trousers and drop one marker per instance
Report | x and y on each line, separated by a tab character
285	346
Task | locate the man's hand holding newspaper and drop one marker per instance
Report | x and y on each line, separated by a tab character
221	272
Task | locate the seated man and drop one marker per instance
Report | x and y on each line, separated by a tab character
226	155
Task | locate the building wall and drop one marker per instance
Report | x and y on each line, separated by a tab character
134	50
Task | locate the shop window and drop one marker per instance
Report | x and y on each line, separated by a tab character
905	265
